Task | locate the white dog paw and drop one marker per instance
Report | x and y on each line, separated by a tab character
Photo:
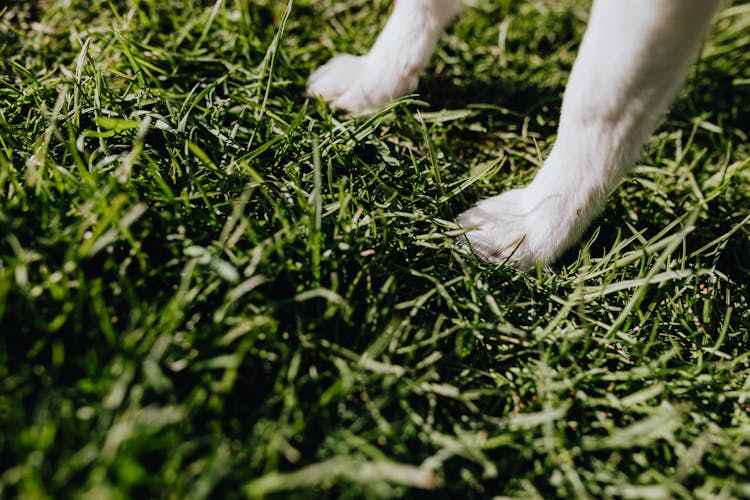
358	83
517	229
336	78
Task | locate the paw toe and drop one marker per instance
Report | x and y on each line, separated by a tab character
334	78
497	232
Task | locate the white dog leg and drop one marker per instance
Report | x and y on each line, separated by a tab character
633	57
392	67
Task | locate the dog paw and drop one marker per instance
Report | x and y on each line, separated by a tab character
358	83
517	228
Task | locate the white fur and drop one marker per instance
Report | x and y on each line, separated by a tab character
392	67
632	60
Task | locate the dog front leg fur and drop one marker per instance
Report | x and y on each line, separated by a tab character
631	63
392	67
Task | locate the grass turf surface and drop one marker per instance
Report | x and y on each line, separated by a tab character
210	285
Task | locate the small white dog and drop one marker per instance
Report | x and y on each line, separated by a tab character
631	62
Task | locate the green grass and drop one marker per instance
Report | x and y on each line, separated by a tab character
212	286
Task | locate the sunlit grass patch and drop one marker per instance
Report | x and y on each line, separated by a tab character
213	286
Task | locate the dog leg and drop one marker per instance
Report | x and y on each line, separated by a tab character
631	63
392	67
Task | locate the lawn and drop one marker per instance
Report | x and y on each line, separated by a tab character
212	286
